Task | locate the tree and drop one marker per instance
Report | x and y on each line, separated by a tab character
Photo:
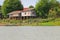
42	7
1	16
0	9
52	13
58	11
54	9
31	6
11	5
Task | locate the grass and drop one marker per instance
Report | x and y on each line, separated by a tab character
55	22
31	22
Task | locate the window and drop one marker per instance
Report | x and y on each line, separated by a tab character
25	13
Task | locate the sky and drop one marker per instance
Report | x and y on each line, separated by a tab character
26	3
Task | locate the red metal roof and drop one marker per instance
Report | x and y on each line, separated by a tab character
18	11
26	9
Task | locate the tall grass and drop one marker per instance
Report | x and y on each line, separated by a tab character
32	22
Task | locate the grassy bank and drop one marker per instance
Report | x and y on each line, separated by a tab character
31	22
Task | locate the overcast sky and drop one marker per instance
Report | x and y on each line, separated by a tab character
25	3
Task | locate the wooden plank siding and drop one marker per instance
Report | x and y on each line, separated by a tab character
24	14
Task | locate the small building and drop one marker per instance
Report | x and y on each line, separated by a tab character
22	14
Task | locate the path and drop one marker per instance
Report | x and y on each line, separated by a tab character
29	33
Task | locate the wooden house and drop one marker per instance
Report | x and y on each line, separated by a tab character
22	14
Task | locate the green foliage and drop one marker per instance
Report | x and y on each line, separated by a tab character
54	9
32	22
31	6
0	9
11	5
58	11
43	8
52	14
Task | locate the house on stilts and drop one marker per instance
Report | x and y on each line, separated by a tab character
26	13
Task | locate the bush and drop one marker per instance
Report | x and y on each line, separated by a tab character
52	13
